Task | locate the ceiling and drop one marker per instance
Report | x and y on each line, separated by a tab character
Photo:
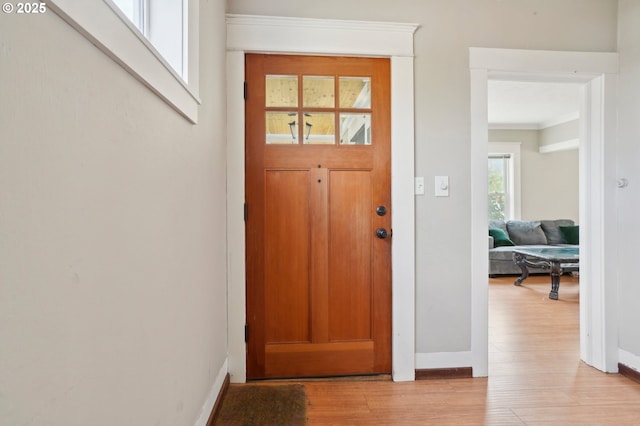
531	105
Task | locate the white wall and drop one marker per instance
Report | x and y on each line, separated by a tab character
112	246
447	30
629	197
549	181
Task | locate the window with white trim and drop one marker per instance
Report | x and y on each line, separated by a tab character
163	23
504	181
500	191
157	41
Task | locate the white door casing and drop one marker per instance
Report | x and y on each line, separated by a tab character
329	37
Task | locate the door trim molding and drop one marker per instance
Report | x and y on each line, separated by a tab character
246	33
598	285
252	33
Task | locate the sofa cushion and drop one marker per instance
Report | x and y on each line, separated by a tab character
552	231
500	237
524	232
571	234
501	253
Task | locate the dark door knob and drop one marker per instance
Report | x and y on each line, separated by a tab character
381	210
381	233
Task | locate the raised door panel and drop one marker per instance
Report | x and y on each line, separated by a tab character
286	254
350	253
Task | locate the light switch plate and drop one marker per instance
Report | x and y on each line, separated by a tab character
442	186
419	186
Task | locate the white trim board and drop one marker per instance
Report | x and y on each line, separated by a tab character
598	286
436	360
111	32
514	126
324	36
629	359
331	37
209	403
560	146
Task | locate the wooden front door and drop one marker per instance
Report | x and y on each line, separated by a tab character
318	216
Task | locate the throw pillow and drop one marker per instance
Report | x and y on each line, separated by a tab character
552	231
571	234
526	233
500	238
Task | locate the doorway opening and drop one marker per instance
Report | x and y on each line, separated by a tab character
597	211
533	179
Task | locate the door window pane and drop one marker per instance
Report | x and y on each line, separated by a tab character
318	110
355	92
318	92
355	129
319	128
281	127
281	91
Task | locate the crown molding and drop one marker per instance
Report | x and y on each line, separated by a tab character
560	146
536	126
514	126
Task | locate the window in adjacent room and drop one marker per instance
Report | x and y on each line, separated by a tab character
499	188
504	181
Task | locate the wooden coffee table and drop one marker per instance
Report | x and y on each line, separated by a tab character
557	259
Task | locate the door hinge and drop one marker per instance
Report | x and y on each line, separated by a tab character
245	90
246	333
246	212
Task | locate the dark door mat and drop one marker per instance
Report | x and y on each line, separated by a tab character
250	405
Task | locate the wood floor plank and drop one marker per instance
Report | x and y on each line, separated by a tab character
535	375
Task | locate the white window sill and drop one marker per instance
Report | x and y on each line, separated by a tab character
116	37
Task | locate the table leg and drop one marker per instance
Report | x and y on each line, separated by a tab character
556	271
519	259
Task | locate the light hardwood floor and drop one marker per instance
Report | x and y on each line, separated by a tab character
535	375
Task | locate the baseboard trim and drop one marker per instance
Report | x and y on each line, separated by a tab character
218	404
444	373
629	372
214	394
